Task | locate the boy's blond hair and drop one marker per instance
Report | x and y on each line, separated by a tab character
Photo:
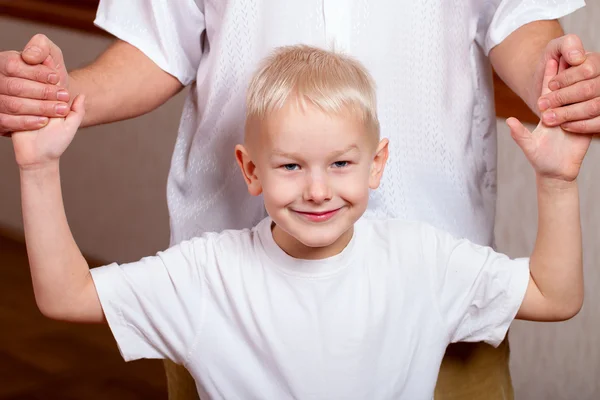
332	82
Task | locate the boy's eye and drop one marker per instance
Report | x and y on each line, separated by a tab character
291	167
340	164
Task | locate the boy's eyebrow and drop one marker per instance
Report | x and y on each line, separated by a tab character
280	153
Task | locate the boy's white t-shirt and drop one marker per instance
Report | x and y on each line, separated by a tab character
249	321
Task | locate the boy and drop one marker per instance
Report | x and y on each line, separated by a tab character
315	301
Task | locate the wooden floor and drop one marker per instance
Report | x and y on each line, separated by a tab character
42	359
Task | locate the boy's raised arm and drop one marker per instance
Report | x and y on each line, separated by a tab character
62	282
555	290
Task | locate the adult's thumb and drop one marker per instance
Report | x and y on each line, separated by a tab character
37	50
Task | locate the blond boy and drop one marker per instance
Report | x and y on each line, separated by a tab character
315	302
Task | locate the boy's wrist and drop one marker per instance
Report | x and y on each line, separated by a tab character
39	170
555	185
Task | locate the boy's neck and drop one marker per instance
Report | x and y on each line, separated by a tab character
294	248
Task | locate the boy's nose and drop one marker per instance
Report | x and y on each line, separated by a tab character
317	190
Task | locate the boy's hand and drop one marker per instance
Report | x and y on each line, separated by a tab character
39	148
553	152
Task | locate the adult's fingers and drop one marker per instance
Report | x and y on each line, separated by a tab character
589	69
586	126
575	112
13	123
12	65
26	88
18	106
37	50
568	47
577	93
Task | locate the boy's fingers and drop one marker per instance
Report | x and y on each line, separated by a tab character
519	133
77	112
549	72
563	65
514	124
78	105
50	63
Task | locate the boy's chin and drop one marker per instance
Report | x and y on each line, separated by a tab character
317	243
316	238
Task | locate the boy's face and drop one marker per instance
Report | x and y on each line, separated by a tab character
314	171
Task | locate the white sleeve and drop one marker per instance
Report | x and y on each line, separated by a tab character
169	32
154	307
500	18
479	291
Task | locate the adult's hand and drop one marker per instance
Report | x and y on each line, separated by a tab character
32	86
574	100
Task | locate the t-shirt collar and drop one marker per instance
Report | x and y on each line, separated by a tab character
300	267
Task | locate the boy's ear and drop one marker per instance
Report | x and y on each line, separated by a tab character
248	169
378	165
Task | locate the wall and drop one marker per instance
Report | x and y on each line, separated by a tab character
560	360
113	176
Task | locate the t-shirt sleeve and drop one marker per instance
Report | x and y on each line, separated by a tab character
154	307
500	18
168	32
479	290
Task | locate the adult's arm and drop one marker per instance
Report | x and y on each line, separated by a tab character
122	83
574	99
517	58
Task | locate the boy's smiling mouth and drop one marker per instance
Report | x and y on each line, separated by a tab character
318	216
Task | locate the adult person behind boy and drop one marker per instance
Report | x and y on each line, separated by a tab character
433	58
315	301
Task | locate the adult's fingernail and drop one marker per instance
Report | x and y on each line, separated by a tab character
549	116
553	85
62	95
42	121
53	79
32	50
543	104
576	55
62	109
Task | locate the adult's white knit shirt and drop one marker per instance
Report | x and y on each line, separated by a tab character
435	98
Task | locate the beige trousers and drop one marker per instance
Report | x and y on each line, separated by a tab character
470	371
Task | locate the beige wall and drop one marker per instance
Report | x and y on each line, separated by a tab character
114	186
113	176
561	360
